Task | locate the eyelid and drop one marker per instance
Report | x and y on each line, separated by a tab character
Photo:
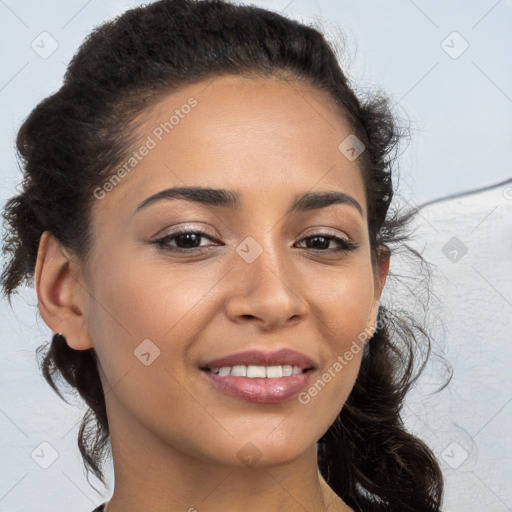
184	228
319	230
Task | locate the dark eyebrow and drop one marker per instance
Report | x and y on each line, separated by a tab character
231	199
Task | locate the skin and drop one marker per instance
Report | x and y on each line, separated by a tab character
175	438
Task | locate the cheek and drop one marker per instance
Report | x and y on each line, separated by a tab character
343	299
343	308
137	310
135	301
149	300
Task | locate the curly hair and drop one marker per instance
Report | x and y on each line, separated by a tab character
123	67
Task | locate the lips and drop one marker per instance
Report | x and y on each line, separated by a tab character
263	391
260	358
242	376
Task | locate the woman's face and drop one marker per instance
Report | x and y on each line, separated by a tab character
159	309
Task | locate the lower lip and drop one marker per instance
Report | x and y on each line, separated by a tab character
260	390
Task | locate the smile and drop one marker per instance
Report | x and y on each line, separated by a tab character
259	384
252	371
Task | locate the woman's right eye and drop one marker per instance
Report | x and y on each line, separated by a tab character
186	238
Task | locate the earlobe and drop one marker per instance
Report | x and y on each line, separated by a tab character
61	298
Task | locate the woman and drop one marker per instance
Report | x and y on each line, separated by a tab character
205	217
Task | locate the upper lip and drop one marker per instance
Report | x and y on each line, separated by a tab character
262	358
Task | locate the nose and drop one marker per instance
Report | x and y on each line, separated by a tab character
268	292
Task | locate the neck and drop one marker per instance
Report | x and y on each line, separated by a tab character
152	475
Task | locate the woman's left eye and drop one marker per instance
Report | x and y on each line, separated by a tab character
190	241
344	245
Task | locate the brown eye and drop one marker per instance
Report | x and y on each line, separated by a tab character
321	242
185	240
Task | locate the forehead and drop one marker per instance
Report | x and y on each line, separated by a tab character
263	137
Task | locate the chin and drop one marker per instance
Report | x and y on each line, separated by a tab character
267	454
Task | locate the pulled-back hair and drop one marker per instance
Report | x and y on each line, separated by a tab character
74	139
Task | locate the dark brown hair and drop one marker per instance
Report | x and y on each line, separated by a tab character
73	140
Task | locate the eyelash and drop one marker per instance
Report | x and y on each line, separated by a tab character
346	246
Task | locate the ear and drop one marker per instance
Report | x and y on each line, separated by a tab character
380	262
61	293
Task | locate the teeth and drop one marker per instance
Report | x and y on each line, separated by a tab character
256	371
251	371
274	371
239	371
287	370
